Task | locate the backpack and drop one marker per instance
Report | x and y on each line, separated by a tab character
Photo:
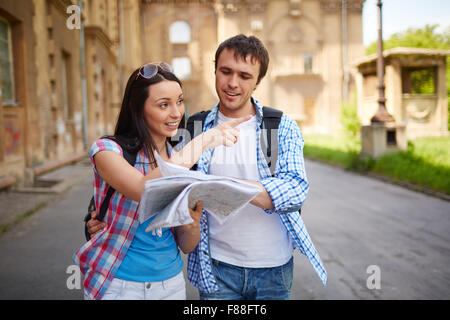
131	158
271	120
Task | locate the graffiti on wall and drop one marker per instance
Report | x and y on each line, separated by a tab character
12	136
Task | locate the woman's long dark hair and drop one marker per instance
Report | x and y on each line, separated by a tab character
131	129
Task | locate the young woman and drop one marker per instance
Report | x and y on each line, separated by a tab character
123	261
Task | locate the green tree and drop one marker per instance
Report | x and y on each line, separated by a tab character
425	37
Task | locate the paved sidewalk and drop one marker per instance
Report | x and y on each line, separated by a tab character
18	204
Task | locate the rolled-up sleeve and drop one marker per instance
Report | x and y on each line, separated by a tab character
103	144
289	187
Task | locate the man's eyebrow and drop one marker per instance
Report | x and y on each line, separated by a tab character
246	74
241	72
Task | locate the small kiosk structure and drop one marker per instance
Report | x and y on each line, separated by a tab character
416	97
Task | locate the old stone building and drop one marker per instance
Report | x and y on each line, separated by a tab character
42	113
62	88
311	45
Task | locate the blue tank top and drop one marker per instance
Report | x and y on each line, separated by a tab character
150	257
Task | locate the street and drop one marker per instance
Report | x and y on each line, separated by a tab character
377	241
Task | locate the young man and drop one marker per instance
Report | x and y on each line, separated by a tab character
250	254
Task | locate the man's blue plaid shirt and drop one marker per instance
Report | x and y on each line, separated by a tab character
288	189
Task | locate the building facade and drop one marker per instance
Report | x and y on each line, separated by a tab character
41	112
62	89
311	43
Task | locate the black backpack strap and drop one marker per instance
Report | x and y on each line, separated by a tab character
269	142
271	120
269	136
131	159
198	117
103	208
195	130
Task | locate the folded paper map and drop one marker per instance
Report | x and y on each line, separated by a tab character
169	197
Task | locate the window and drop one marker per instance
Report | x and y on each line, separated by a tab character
419	80
180	37
307	63
6	63
182	67
65	93
180	32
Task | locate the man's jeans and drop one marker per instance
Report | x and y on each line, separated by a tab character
239	283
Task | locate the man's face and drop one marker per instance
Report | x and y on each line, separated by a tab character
235	81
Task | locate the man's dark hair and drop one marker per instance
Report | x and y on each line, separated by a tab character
244	46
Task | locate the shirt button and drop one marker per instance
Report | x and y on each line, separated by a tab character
148	285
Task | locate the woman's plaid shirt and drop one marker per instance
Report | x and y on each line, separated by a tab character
100	258
288	190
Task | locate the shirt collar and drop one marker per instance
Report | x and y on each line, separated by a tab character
213	116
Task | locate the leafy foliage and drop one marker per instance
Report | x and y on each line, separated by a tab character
350	122
427	37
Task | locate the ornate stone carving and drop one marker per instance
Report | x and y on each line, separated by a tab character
419	108
294	34
256	6
294	8
332	6
175	1
252	6
231	6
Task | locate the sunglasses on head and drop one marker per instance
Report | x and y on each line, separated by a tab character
149	70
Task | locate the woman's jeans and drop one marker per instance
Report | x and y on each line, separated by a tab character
240	283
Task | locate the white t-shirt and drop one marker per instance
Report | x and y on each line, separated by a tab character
249	237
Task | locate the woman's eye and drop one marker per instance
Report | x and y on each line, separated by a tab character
163	105
180	101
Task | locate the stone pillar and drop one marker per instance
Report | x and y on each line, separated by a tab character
373	140
380	138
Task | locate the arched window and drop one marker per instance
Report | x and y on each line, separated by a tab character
182	67
180	32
